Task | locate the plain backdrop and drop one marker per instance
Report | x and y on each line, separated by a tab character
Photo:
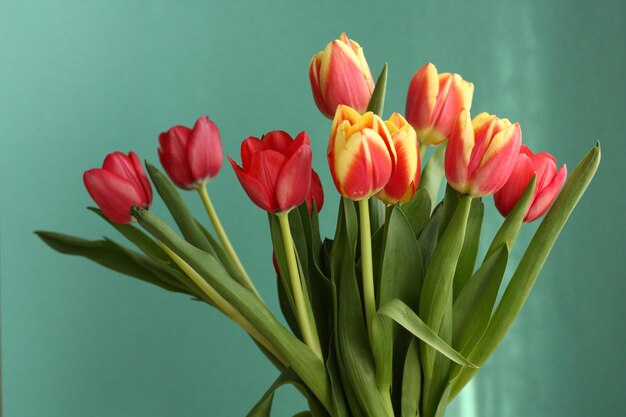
82	78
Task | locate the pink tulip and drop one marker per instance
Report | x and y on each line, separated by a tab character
434	101
119	185
548	184
340	75
481	153
276	170
191	156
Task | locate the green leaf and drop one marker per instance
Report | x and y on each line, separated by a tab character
428	239
300	358
340	406
437	290
263	407
405	317
443	402
469	251
530	266
411	381
109	255
513	223
432	175
377	102
351	332
451	200
180	213
474	305
137	237
417	211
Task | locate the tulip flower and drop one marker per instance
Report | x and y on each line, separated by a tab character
361	154
340	75
276	170
191	156
434	101
316	193
406	176
481	153
548	184
119	185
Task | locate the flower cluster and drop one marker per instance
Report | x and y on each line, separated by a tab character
423	305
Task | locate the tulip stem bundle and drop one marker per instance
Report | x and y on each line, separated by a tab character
221	234
307	326
391	316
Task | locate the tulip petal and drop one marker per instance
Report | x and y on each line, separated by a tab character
249	147
316	193
204	150
314	77
114	194
143	178
124	166
255	190
277	140
497	163
506	198
294	180
422	97
459	151
173	155
546	196
451	100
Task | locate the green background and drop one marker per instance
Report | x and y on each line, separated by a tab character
81	78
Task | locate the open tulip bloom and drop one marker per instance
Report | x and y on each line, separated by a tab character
395	313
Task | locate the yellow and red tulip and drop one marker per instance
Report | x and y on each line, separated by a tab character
119	185
361	154
276	170
548	184
191	156
340	75
481	153
434	101
406	176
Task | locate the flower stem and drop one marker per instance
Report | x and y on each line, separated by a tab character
367	271
222	304
307	328
217	225
423	148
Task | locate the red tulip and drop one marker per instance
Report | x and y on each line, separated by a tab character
276	170
548	184
481	153
434	101
340	75
361	154
316	192
191	156
119	185
406	176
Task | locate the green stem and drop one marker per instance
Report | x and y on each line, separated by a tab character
423	148
220	303
217	225
306	326
367	272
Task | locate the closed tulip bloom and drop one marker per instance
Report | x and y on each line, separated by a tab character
361	154
276	170
119	185
549	182
340	75
191	156
316	193
481	153
434	101
406	176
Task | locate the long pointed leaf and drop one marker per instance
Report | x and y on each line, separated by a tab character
531	263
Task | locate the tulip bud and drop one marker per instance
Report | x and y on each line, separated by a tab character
548	184
434	101
481	153
406	176
316	193
276	170
191	156
360	153
119	185
340	75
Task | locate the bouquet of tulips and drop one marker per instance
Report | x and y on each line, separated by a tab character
394	314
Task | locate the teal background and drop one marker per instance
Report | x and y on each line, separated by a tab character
81	78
